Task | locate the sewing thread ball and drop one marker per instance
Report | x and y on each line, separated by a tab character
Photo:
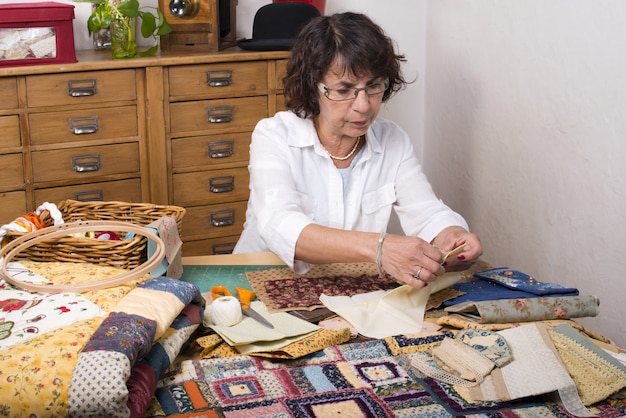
225	311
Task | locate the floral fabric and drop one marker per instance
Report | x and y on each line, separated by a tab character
56	373
25	315
527	309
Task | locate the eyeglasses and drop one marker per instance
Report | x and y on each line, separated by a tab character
345	94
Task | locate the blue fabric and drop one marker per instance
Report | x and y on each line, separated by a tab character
517	280
505	283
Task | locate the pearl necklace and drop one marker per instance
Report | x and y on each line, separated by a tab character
334	157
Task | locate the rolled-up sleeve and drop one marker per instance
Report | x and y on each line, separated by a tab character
277	210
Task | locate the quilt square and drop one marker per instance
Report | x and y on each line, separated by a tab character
221	368
376	373
318	378
350	403
257	409
237	390
367	350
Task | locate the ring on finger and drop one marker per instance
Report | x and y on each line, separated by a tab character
417	275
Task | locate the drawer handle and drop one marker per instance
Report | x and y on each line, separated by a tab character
86	162
219	78
226	248
224	217
222	184
89	196
82	126
81	88
221	149
220	114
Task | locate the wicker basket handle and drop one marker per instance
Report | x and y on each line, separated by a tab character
35	237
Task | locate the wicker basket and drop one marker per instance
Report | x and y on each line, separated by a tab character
127	253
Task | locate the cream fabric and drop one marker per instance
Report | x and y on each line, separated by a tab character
381	314
152	304
536	369
250	336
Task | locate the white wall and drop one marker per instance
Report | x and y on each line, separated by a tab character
525	122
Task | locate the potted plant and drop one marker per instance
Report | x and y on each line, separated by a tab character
121	17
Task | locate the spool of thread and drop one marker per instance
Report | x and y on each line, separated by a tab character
225	311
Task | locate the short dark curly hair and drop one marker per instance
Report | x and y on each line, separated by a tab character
352	38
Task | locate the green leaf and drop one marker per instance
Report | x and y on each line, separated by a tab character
164	28
148	52
99	19
129	8
148	24
153	24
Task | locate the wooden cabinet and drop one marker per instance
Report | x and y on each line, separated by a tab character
12	194
69	133
212	112
170	129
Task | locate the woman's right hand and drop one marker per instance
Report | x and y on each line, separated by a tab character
411	260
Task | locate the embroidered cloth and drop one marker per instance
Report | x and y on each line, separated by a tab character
535	369
596	373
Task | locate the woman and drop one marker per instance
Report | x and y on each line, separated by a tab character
325	175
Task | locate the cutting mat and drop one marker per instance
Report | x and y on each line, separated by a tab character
233	276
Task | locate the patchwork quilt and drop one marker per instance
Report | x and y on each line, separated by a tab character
97	353
366	379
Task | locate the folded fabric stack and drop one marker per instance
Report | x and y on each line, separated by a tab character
525	361
505	295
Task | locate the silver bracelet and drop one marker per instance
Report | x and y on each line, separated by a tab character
379	254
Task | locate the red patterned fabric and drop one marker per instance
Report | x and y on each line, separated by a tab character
303	292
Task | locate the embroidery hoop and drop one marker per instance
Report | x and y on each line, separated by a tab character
27	240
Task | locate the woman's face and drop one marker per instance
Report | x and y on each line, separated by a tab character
349	118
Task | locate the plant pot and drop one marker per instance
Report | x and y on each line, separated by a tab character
123	36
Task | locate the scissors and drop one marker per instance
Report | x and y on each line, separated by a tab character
245	297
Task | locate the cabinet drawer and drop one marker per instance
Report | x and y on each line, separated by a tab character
217	116
12	205
85	162
211	187
280	103
210	150
8	93
219	80
223	245
281	72
10	128
12	170
214	221
83	125
80	88
121	190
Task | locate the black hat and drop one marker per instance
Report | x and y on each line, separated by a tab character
276	26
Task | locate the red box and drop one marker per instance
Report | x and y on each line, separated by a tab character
36	33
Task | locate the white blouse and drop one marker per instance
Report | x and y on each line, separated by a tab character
293	183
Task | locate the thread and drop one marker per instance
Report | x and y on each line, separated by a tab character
225	311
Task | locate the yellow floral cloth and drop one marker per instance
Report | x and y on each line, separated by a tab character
215	347
38	371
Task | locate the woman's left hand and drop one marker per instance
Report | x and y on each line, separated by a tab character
453	237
